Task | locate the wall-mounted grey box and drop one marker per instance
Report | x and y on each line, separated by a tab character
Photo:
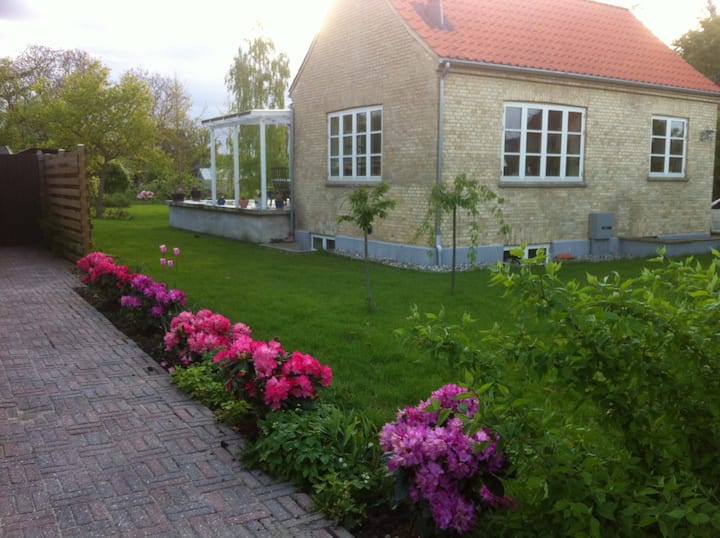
601	225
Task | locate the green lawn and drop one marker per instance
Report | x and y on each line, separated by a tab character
315	302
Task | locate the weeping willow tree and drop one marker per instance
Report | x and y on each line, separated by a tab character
258	79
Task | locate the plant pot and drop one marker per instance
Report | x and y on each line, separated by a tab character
244	202
178	197
279	204
195	194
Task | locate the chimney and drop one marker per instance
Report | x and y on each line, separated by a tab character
434	12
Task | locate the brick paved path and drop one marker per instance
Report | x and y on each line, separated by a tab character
95	441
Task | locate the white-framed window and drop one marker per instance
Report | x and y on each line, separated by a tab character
323	242
529	251
355	144
543	142
668	147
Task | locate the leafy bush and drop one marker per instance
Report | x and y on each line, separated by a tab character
117	179
606	396
331	451
202	382
117	200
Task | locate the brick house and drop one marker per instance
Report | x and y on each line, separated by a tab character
598	136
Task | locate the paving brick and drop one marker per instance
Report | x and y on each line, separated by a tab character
95	444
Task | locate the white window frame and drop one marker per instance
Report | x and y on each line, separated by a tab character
668	138
529	251
356	153
544	131
327	242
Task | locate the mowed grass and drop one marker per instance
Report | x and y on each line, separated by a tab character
315	303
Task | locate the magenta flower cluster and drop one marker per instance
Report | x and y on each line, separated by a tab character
260	372
145	195
106	280
154	297
191	336
97	265
265	374
444	465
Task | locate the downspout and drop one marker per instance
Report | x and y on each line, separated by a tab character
440	143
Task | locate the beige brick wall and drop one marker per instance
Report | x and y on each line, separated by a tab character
616	168
364	55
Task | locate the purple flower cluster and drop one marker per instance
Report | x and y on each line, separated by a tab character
146	293
145	195
429	444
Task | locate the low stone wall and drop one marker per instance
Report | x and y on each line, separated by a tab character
252	225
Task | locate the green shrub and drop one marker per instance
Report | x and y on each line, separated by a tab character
201	381
117	200
606	395
330	451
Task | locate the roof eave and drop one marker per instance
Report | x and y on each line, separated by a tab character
580	76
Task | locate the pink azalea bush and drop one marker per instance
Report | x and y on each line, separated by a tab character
266	375
191	336
107	280
453	471
145	195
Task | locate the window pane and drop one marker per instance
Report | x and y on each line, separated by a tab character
334	167
676	165
532	166
534	119
554	143
658	146
317	243
534	143
361	122
361	168
376	143
512	166
376	120
553	167
555	120
657	165
335	126
677	129
347	123
334	147
512	142
676	147
347	145
575	122
573	167
573	144
361	144
659	128
513	117
375	166
347	166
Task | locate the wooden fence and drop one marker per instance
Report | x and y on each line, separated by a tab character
47	201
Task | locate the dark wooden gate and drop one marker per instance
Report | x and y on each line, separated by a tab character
20	198
44	199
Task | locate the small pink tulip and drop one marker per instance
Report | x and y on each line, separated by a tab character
163	261
170	263
163	249
176	251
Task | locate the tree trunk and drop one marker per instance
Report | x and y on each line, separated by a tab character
454	248
99	205
367	274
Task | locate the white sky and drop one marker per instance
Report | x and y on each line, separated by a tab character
197	41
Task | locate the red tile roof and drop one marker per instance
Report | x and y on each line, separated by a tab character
580	37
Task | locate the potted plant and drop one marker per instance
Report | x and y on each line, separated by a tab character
195	194
281	188
178	195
